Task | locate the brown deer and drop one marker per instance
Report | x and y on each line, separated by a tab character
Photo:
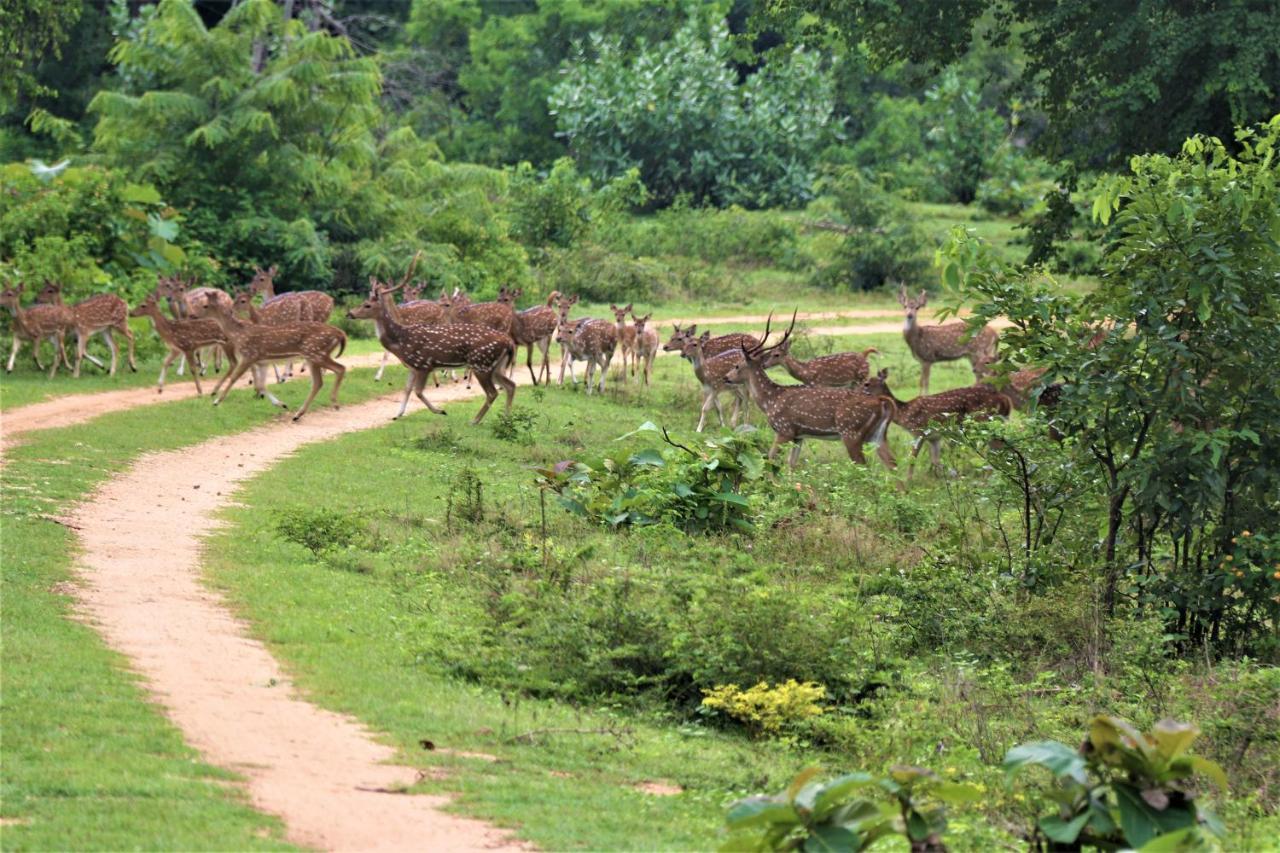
257	343
422	349
596	340
626	336
187	303
499	315
946	342
565	329
101	314
35	324
713	346
797	412
929	410
646	345
534	327
839	370
415	312
315	306
183	337
713	373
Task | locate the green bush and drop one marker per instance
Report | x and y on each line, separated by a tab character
560	208
882	245
715	236
320	530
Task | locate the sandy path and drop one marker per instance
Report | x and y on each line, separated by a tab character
140	537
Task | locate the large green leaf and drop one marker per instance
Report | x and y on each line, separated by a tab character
1140	822
759	811
1058	758
648	457
1186	839
832	839
832	795
1063	831
1173	738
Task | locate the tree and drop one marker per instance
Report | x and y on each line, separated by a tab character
1175	406
29	31
1115	78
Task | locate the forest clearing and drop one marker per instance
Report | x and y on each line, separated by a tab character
639	425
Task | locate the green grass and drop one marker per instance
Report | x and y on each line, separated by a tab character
89	761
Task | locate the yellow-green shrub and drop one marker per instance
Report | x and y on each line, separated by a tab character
765	709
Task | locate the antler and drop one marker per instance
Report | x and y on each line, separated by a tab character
412	266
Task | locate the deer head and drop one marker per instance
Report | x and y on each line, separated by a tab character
909	305
678	338
640	321
149	306
263	280
620	314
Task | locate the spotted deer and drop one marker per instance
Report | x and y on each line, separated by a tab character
797	412
565	329
534	327
626	337
714	346
931	410
35	324
712	373
499	315
187	303
101	314
839	370
596	340
314	306
184	337
258	343
420	312
422	349
646	345
946	342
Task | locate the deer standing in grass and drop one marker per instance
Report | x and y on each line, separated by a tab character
422	349
626	337
839	370
946	342
187	303
565	329
184	337
101	314
596	340
298	306
646	345
797	412
35	324
256	343
930	410
712	373
534	327
713	346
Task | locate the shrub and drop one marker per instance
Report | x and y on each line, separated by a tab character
881	246
560	208
715	236
764	709
320	530
515	426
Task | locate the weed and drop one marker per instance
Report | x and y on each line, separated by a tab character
465	499
515	426
320	530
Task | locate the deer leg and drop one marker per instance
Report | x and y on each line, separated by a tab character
773	449
529	362
591	365
707	398
164	367
853	445
486	381
935	454
80	343
925	367
418	385
545	346
604	370
182	365
339	373
124	329
885	453
53	369
195	376
17	345
111	346
231	378
794	456
377	377
317	382
260	385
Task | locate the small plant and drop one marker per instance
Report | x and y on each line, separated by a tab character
764	709
1122	788
320	530
465	500
841	815
515	426
443	440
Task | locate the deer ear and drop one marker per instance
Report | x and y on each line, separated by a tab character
924	297
902	295
628	308
274	269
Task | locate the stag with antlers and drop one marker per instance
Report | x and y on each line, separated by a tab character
797	412
839	370
946	342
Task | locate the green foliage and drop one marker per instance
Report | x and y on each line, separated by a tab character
882	245
29	30
1124	787
516	426
320	530
730	234
677	113
696	491
558	209
1171	406
90	229
764	709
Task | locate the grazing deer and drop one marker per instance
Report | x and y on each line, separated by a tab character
36	324
101	314
626	336
415	312
976	401
256	343
422	349
534	327
797	412
839	370
183	337
946	342
713	373
646	345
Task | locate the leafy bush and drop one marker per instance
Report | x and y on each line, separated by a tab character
561	207
515	426
764	709
881	245
678	114
596	274
320	530
731	234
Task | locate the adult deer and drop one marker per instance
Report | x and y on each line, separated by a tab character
646	345
183	337
797	412
499	315
258	343
101	314
626	336
713	346
946	342
713	373
565	329
422	349
931	410
187	303
596	340
415	312
313	305
534	327
839	370
35	324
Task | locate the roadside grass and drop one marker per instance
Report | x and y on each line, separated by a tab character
89	761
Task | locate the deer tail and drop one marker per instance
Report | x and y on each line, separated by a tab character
868	351
342	344
887	407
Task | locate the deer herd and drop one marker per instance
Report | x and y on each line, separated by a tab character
838	397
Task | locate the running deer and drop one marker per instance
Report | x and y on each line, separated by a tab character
422	349
187	303
646	345
596	340
255	344
930	410
499	316
797	412
839	370
415	312
101	314
713	373
626	337
946	342
534	327
183	337
35	324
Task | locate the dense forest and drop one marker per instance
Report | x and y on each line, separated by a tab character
1101	176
